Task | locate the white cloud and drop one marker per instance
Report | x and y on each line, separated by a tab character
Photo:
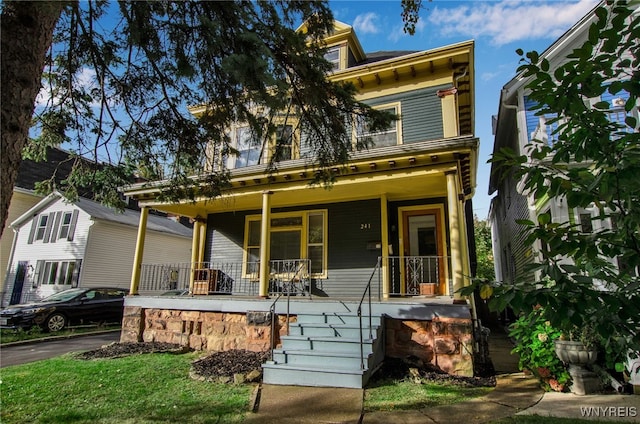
509	21
366	23
85	79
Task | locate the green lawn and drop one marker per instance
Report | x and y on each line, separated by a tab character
390	395
150	388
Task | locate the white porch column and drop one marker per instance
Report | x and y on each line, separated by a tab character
139	253
265	243
384	218
453	206
202	240
195	243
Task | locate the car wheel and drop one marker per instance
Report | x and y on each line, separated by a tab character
55	322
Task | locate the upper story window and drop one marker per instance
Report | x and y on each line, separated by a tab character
65	225
333	55
247	148
42	226
283	144
389	137
52	226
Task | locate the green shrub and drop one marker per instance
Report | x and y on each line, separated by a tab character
534	338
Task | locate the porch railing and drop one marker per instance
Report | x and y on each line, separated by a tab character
407	273
285	276
367	295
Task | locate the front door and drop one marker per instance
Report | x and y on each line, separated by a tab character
422	250
18	283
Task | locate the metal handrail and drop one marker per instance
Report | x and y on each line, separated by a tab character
272	310
364	294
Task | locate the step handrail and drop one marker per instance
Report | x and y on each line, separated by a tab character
272	308
367	290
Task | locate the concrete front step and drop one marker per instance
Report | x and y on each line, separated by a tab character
331	330
328	344
312	358
283	374
338	318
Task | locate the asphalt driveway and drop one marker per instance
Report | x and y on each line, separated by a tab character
31	351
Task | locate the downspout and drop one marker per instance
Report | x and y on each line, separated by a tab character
7	272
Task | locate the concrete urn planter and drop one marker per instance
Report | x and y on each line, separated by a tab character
575	353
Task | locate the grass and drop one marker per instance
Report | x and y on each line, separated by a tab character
10	336
150	388
392	395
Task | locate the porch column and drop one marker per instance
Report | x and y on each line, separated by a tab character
202	240
265	243
454	234
139	253
195	243
384	255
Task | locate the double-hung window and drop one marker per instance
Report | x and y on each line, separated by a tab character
42	226
247	148
388	137
293	236
333	55
65	225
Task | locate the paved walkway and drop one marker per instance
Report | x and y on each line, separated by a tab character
515	394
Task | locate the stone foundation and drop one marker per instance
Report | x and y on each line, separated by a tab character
210	331
444	342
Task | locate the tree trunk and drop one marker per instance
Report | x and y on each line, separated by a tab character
25	37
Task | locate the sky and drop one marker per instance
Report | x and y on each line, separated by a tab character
498	27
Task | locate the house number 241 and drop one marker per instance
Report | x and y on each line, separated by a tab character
365	226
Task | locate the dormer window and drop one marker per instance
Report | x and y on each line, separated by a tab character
333	55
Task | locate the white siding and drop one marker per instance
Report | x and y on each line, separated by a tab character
110	251
20	203
60	250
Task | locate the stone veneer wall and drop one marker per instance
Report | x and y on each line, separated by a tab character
444	342
211	331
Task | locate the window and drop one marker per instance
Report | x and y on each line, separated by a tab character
586	223
63	273
538	127
299	235
65	225
247	148
388	137
42	226
333	55
283	146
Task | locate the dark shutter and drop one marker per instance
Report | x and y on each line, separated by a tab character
47	231
36	274
34	225
76	270
56	227
72	227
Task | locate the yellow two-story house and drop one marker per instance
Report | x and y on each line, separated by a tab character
393	228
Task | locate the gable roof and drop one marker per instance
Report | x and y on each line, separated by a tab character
98	211
57	163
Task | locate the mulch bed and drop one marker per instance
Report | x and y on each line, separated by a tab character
231	363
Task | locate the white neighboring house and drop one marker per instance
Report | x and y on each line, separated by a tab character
59	245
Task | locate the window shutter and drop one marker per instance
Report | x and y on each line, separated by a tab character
76	269
36	274
47	231
56	227
72	227
34	225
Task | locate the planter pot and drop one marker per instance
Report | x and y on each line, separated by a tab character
428	289
575	353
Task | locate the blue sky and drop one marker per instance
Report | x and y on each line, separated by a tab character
498	27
